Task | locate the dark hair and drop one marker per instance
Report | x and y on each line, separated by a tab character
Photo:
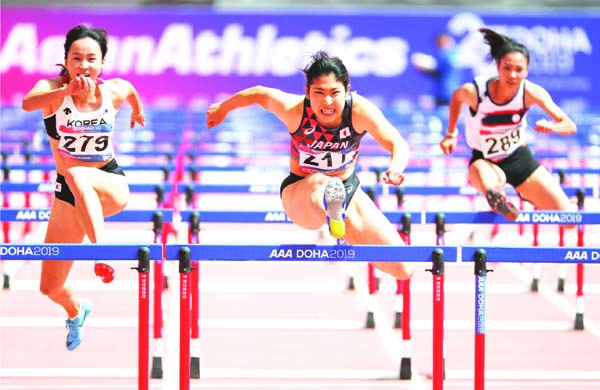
501	45
323	64
79	32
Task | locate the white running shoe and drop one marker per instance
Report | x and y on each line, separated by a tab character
335	206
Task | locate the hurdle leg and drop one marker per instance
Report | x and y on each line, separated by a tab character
195	328
580	301
480	304
438	318
194	238
372	283
184	318
402	298
562	268
405	361
536	268
158	350
143	269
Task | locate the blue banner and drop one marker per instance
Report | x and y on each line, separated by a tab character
189	57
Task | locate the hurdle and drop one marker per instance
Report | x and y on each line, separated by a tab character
142	253
480	257
308	253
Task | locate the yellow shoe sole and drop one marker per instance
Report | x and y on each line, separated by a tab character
337	228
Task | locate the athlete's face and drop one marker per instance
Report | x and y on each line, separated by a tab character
84	58
327	98
512	69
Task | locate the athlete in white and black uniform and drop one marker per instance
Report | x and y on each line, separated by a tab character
79	111
326	125
495	130
83	136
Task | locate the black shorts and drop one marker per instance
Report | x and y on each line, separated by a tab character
351	184
63	192
517	167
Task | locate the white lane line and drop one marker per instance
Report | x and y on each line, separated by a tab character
556	299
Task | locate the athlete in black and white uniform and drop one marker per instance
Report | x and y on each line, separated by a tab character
79	111
495	130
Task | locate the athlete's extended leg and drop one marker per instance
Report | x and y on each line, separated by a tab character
367	225
545	193
53	278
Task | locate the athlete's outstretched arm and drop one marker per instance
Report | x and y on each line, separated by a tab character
282	104
367	116
560	124
467	93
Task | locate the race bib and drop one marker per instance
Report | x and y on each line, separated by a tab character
91	145
501	145
329	161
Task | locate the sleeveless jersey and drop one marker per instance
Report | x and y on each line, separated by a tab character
84	136
496	130
317	149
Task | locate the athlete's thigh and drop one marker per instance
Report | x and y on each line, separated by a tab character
302	201
484	174
112	189
63	227
366	224
544	191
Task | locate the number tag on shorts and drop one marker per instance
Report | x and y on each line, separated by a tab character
92	145
501	145
329	161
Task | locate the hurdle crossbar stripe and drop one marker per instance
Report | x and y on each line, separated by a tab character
77	251
566	255
42	215
299	252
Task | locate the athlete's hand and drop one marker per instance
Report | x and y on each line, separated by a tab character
140	119
448	144
215	115
544	126
80	85
393	177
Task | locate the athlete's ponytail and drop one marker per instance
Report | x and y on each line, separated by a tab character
501	45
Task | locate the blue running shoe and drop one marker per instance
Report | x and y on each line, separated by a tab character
335	206
75	335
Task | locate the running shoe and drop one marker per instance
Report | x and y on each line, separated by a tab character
104	271
335	206
498	203
75	334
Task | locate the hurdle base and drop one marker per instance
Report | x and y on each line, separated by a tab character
579	321
6	282
535	285
157	370
370	324
195	367
561	285
405	368
398	320
351	283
